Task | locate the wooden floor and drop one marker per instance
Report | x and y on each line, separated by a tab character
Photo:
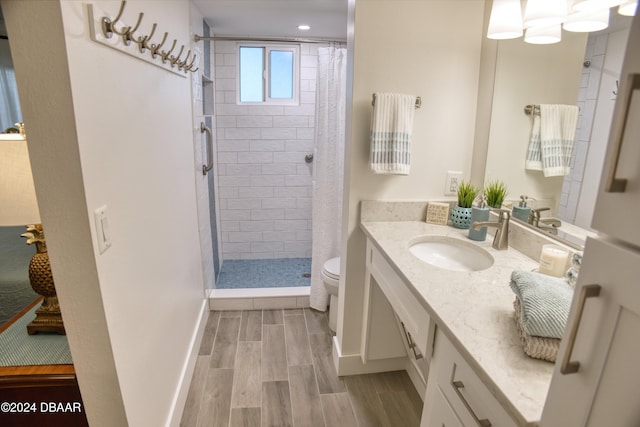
274	368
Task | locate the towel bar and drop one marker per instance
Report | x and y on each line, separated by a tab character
418	100
530	110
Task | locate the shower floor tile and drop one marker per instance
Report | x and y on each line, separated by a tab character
264	273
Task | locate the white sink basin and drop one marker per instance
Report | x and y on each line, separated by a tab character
451	253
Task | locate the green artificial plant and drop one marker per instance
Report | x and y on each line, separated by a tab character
466	194
495	192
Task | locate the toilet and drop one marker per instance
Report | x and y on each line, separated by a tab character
331	278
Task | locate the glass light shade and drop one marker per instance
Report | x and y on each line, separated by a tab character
628	8
542	13
581	5
543	35
17	192
506	20
582	22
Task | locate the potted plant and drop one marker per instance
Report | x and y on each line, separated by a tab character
461	213
495	192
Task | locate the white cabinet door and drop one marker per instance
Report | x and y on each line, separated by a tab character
604	390
618	201
442	415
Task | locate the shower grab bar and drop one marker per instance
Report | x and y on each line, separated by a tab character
206	168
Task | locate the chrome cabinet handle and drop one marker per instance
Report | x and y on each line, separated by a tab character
457	385
567	366
614	184
206	168
412	345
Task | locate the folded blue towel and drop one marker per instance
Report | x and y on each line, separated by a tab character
545	302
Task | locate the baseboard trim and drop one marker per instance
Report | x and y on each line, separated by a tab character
351	364
259	298
180	397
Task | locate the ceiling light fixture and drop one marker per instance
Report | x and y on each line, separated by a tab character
506	20
582	5
584	22
628	8
544	20
304	27
545	13
543	35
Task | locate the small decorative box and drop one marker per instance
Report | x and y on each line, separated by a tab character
437	213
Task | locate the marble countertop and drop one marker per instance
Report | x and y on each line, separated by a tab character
475	311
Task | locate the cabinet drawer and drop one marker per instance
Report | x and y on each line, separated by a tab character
466	393
404	302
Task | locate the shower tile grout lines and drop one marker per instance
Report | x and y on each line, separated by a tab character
275	368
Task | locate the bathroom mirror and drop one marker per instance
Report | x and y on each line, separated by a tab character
583	69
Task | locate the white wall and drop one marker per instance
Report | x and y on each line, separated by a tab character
265	184
427	48
529	74
108	128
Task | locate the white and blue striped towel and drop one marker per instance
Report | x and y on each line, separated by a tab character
545	303
391	128
552	139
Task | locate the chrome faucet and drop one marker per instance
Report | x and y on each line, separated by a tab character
549	225
501	239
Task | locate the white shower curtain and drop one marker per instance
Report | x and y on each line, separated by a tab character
328	166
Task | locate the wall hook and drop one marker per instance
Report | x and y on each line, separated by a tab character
175	59
165	54
156	47
181	64
128	37
190	66
109	28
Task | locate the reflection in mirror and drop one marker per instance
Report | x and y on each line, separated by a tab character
581	70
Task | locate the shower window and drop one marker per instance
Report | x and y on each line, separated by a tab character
268	74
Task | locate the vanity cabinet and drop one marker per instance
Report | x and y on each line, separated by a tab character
396	325
456	396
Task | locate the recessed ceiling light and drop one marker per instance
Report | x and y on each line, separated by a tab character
304	27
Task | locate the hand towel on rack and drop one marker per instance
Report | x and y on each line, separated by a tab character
391	129
552	139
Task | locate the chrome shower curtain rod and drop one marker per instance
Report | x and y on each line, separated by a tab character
197	38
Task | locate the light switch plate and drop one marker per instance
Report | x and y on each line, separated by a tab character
102	229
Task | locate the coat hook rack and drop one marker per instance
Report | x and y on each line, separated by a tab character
116	26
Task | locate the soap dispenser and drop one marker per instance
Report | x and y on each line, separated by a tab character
479	213
522	211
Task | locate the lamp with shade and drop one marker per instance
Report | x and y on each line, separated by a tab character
19	206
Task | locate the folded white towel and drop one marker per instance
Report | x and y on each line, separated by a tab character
536	347
552	139
391	129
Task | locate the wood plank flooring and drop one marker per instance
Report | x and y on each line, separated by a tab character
265	368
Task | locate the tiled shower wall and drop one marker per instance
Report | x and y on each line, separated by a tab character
587	99
264	181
